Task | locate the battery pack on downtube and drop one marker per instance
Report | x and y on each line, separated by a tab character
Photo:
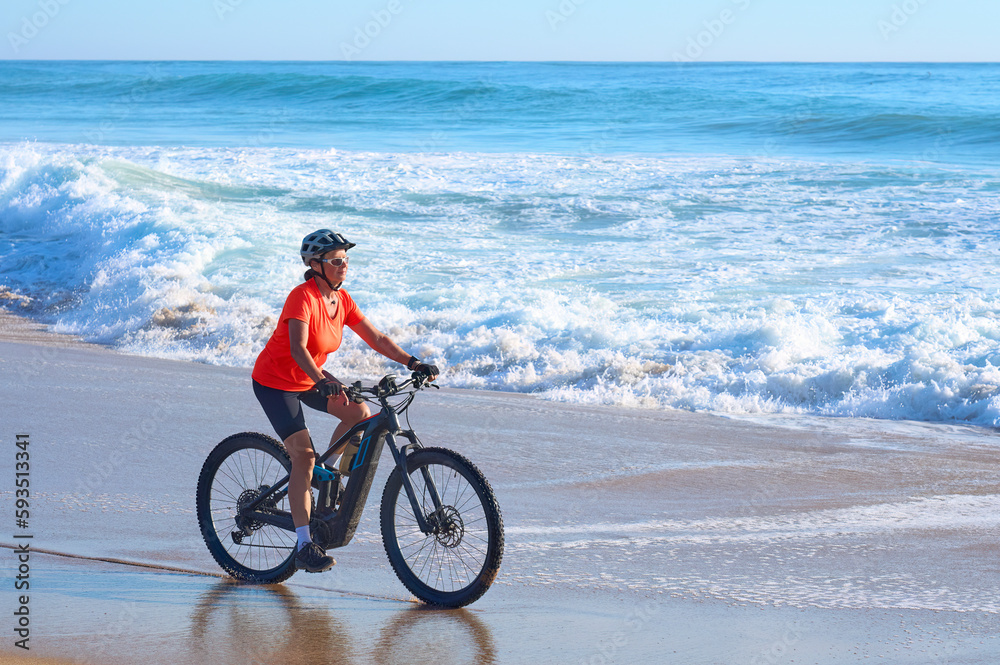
341	525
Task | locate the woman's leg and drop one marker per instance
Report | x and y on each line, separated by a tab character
303	459
310	556
284	411
349	413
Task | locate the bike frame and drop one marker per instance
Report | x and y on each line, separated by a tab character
376	431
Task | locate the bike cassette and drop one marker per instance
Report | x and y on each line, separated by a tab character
245	524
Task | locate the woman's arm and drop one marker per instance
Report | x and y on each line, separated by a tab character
298	336
379	341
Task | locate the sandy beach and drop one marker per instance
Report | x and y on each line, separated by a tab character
633	536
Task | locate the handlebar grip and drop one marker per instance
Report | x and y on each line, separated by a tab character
422	380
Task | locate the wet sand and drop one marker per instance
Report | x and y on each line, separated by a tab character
15	328
632	536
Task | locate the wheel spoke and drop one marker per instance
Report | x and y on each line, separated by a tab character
448	562
251	463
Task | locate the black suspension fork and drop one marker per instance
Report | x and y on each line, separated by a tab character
400	454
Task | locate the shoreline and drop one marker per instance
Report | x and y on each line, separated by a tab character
829	539
15	328
21	329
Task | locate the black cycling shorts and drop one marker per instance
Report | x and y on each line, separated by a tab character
284	408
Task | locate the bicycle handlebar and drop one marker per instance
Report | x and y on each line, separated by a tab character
386	387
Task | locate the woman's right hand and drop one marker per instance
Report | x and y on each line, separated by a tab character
329	387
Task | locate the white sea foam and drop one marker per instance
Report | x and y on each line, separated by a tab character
960	511
707	283
836	558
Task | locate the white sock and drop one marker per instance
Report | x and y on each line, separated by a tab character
304	536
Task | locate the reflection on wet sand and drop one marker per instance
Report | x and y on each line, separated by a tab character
437	635
260	625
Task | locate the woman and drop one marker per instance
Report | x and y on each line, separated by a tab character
289	371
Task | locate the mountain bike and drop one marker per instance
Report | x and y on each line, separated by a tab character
441	525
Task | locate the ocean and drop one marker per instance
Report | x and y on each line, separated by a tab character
812	239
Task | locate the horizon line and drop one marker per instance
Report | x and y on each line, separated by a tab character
581	62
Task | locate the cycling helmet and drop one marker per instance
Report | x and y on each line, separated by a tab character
320	242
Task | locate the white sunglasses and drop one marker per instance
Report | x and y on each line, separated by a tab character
336	263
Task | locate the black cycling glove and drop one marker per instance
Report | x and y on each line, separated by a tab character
329	388
423	368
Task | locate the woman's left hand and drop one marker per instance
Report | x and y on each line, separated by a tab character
430	370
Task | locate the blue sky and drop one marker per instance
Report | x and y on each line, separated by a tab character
648	30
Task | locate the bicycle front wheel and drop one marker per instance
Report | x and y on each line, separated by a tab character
236	472
457	562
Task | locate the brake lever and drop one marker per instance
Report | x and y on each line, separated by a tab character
354	393
421	380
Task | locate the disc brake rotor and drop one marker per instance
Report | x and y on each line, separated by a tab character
449	529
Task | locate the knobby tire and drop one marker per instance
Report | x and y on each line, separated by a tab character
240	465
456	566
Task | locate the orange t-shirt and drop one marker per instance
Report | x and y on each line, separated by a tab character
275	366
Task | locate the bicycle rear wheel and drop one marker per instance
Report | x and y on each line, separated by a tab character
456	563
236	472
